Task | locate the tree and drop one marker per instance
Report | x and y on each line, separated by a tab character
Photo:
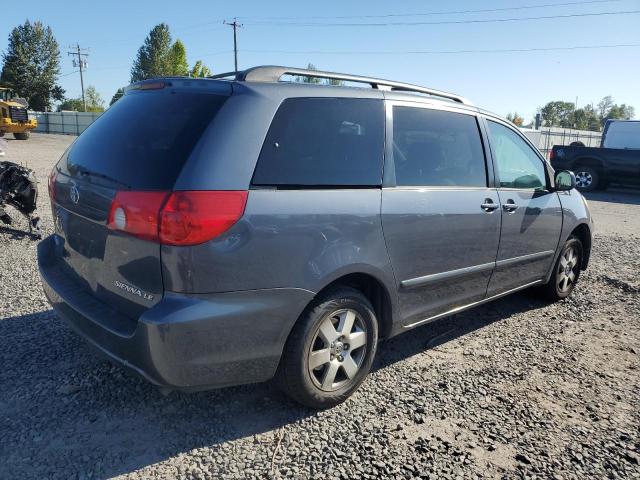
303	79
95	103
153	55
618	112
159	56
515	119
316	80
558	114
564	114
604	106
586	119
32	64
116	96
92	97
71	104
607	109
200	70
177	60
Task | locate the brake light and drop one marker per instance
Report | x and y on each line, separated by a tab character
176	218
52	184
136	213
552	154
192	217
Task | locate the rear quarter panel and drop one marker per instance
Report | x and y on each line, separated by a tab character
287	239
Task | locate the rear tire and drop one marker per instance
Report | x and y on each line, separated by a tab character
330	350
566	271
21	136
587	179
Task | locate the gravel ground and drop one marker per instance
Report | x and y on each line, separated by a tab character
517	388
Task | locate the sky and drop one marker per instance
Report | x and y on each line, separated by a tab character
421	42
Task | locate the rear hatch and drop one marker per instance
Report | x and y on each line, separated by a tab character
136	148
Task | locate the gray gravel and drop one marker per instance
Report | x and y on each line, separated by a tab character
517	388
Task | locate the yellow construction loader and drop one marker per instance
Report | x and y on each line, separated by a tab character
14	117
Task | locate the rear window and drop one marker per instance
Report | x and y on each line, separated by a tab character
145	138
622	135
324	142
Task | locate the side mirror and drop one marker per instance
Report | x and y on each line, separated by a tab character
565	181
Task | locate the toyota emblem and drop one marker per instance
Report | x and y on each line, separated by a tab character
74	194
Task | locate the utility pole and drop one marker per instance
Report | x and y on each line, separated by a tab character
80	60
235	26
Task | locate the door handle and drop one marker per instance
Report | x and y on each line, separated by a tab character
488	205
510	206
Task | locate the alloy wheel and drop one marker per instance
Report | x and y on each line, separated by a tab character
338	349
567	269
583	179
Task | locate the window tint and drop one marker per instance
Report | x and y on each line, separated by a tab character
517	164
437	148
145	138
324	141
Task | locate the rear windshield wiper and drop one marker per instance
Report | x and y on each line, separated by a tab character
84	171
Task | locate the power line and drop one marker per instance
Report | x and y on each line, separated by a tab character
443	22
444	12
439	52
80	61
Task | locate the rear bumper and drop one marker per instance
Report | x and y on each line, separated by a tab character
187	342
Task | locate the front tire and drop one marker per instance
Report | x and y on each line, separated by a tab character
330	350
587	179
21	136
566	271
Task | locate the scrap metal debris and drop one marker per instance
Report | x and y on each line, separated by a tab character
19	189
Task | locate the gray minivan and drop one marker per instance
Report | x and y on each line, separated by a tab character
220	231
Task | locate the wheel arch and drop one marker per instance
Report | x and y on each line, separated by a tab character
583	233
375	290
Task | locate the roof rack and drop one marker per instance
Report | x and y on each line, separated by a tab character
271	73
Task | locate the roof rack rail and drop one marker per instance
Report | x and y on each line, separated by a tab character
271	73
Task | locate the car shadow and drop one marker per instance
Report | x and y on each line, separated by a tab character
15	234
620	195
59	399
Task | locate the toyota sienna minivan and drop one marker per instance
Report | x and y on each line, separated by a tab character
228	230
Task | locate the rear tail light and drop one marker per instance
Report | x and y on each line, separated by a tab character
136	213
52	184
552	154
189	218
176	218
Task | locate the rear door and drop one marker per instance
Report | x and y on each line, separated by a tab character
440	217
531	212
139	145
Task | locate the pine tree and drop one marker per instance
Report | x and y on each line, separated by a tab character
153	55
117	96
32	65
200	70
177	60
